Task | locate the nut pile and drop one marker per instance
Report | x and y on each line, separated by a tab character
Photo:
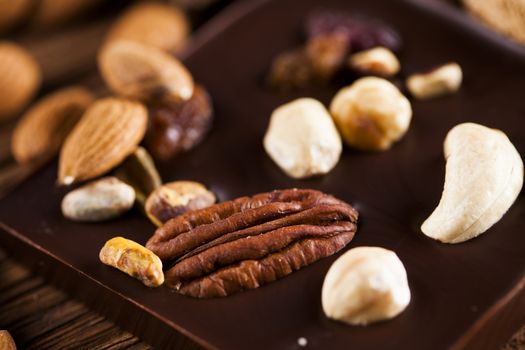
371	114
330	38
204	250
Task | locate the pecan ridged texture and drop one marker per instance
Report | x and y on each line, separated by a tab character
250	241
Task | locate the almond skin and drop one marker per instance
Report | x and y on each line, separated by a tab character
41	131
144	72
109	131
151	23
12	12
20	78
55	12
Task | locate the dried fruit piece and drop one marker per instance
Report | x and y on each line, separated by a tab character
175	198
365	285
378	61
152	23
371	114
326	54
139	171
109	131
144	72
133	259
484	176
6	341
20	78
290	70
251	241
40	133
361	33
177	127
302	139
440	81
99	200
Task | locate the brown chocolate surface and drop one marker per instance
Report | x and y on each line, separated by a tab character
464	296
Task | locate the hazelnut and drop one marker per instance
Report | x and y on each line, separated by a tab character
440	81
365	285
175	198
377	61
371	114
302	139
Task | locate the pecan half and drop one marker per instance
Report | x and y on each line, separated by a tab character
251	241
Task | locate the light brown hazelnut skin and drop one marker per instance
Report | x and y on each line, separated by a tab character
175	198
371	114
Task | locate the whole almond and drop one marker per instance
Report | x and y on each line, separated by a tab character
109	131
12	12
139	71
152	23
20	78
41	131
6	342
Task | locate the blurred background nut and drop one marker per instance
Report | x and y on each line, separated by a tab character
175	198
440	81
133	259
326	54
152	23
302	139
139	171
290	70
377	61
20	78
144	72
41	131
371	114
12	12
505	16
6	341
56	12
365	285
178	126
361	33
98	200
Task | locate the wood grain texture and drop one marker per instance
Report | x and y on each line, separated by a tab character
39	316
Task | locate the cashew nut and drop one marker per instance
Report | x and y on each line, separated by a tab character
484	175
